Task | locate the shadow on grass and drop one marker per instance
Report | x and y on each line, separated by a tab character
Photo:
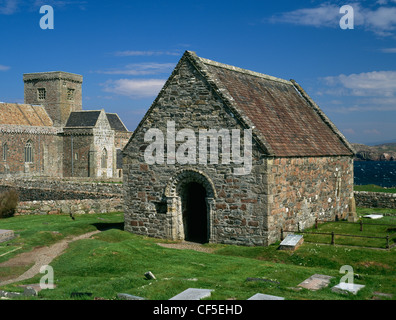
103	226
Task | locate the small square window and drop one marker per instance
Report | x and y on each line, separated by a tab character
70	94
41	94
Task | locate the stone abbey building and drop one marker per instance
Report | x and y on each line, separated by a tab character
50	135
301	166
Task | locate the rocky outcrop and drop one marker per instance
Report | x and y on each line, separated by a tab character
383	152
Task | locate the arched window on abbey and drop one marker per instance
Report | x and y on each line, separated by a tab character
104	159
28	152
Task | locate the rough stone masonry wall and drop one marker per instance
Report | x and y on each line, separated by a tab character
76	153
47	159
240	201
85	206
56	102
375	199
39	189
303	189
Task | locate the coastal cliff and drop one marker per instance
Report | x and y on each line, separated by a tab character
382	152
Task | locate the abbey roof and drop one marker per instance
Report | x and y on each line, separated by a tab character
24	115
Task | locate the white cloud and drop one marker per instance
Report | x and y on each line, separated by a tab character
4	68
388	50
146	68
130	53
362	92
8	6
372	131
135	88
380	20
324	15
375	83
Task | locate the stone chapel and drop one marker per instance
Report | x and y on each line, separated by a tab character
301	166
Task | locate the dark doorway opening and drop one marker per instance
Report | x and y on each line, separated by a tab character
195	213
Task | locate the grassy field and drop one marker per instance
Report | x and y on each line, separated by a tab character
373	188
115	261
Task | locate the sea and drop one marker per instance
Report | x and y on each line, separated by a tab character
380	173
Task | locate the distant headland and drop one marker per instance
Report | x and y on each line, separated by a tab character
381	152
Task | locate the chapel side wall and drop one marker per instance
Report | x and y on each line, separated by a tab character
303	189
47	160
240	203
76	150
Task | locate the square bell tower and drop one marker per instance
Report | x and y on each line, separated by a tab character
59	92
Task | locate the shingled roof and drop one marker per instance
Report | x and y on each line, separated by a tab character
24	115
284	118
82	119
115	122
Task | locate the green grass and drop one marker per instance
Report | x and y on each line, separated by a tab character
377	230
39	230
115	261
373	188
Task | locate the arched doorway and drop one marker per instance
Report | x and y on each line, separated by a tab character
190	196
195	212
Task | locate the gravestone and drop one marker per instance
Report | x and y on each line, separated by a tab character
344	287
6	235
374	216
316	282
291	242
261	296
193	294
352	216
126	296
149	275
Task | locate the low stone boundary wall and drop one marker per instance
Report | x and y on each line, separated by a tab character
375	199
85	206
57	189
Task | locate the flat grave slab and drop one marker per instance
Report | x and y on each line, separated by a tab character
6	235
347	287
291	242
126	296
193	294
316	282
373	216
261	296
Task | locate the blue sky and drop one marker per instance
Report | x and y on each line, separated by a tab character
127	49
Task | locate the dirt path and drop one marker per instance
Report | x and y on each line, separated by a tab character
187	245
40	256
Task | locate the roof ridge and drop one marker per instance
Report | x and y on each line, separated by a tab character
244	71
